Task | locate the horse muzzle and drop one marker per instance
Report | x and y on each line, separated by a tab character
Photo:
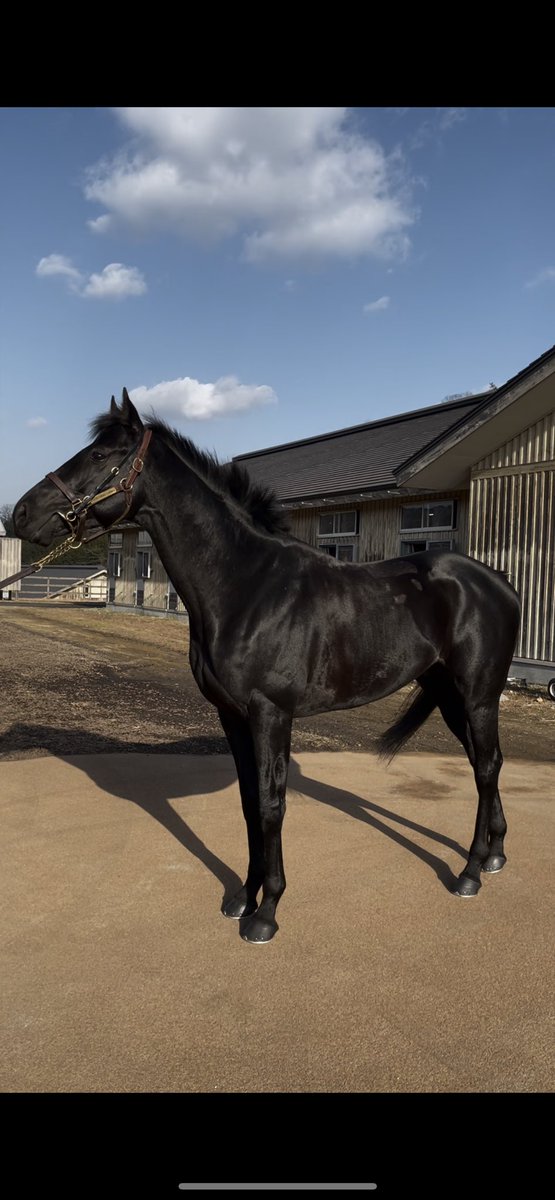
34	528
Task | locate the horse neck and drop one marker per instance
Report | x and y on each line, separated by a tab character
195	531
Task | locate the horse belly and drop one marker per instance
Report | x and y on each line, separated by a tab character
368	665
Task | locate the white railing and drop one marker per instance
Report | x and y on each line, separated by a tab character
43	586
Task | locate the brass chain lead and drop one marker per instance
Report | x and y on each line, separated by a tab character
55	553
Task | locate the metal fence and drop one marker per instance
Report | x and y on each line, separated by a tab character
71	584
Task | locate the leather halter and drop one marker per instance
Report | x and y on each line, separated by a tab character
76	516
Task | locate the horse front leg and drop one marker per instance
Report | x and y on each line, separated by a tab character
271	736
239	736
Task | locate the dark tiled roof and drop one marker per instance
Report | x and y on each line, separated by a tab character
360	458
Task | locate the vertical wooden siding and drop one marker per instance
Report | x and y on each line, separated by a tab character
534	445
125	584
10	561
155	588
512	528
380	524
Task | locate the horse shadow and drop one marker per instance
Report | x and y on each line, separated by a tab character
153	790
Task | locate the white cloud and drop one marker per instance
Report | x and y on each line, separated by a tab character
200	401
291	181
377	305
36	422
440	121
115	282
100	224
547	275
447	117
58	264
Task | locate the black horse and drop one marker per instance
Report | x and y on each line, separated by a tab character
281	630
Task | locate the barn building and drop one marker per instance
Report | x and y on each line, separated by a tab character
475	474
10	562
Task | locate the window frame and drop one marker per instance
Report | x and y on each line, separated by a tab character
140	569
336	514
115	554
425	506
327	547
448	544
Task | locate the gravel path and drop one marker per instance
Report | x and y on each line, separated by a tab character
80	681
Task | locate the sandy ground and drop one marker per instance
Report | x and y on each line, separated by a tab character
122	830
120	974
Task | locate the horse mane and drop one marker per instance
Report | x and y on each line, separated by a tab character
230	480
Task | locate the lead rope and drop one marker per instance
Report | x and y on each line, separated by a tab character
42	562
69	543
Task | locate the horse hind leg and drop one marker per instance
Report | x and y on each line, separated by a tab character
477	730
486	851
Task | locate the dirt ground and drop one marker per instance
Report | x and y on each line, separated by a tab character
80	681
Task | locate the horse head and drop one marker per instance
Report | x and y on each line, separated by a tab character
40	516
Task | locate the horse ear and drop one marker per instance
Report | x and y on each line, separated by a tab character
114	410
129	413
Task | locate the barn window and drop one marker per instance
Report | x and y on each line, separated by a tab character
171	598
144	564
144	538
413	547
116	539
434	514
338	522
344	551
338	534
114	563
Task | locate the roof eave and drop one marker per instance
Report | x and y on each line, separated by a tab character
379	492
490	425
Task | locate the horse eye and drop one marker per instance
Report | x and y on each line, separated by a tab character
98	457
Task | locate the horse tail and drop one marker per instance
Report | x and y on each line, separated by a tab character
416	710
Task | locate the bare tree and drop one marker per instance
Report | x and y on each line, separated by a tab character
6	517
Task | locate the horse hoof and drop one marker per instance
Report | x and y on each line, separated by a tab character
466	887
257	931
494	863
238	907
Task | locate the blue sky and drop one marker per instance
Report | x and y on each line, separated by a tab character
261	275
